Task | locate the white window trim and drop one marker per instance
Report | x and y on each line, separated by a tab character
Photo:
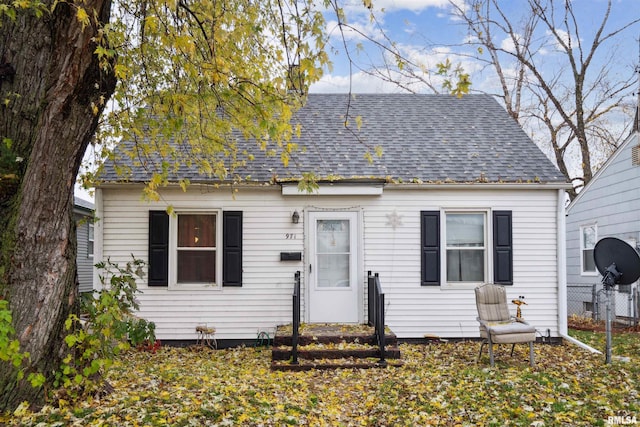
173	251
90	226
581	248
488	245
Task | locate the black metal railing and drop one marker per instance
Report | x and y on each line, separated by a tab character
376	312
295	333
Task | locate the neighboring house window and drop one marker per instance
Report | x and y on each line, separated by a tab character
466	242
90	241
195	248
588	237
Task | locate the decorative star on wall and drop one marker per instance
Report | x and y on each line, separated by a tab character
394	220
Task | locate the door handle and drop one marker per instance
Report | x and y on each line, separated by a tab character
309	268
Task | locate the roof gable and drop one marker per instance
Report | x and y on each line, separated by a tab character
625	149
423	138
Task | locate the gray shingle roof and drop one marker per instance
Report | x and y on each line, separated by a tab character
424	138
83	204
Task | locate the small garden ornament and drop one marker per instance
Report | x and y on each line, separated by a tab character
519	301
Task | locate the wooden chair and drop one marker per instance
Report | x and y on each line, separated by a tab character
497	326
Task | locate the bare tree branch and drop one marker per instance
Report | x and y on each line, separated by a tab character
573	101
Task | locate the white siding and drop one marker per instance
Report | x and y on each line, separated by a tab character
264	300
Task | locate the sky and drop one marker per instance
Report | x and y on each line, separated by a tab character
426	32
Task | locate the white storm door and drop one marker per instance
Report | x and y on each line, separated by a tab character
333	267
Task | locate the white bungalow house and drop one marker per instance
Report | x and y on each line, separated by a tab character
461	196
608	206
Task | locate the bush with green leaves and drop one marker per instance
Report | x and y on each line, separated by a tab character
10	347
105	328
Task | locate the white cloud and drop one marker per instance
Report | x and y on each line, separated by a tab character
430	58
413	5
353	31
470	39
356	6
395	81
562	35
358	83
509	44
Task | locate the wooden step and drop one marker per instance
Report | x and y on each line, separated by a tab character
333	346
332	333
325	364
284	353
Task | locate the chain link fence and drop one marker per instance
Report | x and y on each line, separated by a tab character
590	301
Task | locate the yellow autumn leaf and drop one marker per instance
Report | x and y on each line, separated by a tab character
82	16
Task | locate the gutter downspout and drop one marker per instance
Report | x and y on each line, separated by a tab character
98	238
562	277
580	343
562	263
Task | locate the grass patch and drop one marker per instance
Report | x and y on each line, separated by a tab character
623	343
439	384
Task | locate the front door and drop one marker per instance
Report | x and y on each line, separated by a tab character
333	267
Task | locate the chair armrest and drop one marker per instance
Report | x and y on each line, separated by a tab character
482	322
489	326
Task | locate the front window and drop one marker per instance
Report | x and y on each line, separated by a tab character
196	248
588	237
466	247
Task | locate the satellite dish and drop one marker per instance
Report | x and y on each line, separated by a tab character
619	264
617	261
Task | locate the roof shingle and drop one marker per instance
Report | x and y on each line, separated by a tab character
424	138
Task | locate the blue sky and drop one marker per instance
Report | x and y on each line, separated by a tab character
424	28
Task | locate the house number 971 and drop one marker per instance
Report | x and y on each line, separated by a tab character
290	236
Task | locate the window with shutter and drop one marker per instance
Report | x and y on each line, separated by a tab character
465	242
158	255
502	248
232	248
430	247
194	249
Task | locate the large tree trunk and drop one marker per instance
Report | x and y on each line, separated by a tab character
50	79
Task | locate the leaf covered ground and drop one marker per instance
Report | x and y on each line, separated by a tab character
439	384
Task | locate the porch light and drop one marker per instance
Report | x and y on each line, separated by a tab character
295	218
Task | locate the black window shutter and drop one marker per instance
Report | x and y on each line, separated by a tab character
158	248
430	247
232	248
502	248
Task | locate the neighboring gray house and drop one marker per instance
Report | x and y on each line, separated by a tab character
608	206
83	215
461	196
